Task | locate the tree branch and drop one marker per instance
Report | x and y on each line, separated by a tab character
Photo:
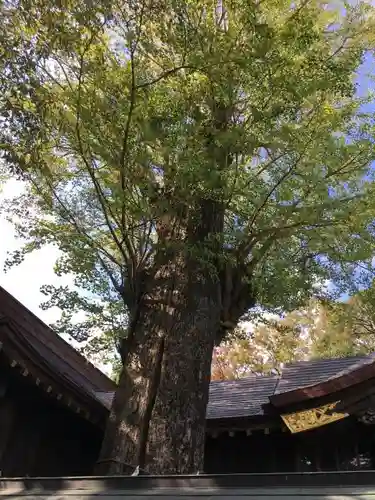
96	184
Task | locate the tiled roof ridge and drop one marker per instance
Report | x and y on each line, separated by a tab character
246	377
362	359
279	377
359	357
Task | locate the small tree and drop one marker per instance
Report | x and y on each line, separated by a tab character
352	326
317	330
190	160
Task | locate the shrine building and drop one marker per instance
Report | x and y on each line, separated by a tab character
317	416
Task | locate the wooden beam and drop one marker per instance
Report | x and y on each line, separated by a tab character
8	422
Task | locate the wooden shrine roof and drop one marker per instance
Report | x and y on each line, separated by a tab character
306	373
245	397
249	396
35	346
339	374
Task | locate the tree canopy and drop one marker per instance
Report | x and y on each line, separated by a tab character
320	329
219	147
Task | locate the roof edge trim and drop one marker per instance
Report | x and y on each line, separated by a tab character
359	372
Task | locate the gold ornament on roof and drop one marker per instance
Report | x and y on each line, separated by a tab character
310	419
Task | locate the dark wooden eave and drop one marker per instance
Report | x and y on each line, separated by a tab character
355	374
34	351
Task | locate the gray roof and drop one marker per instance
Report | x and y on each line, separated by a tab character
105	398
305	373
244	397
247	397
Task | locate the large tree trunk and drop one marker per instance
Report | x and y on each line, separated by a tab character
158	417
177	427
157	420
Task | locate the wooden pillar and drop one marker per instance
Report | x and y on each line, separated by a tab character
297	456
337	458
7	417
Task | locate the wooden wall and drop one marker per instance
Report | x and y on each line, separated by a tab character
346	445
39	437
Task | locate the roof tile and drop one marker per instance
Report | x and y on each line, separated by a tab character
306	373
246	397
240	398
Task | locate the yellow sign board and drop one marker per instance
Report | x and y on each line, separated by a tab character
310	419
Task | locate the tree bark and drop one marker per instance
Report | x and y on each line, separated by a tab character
158	416
157	420
127	426
177	428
